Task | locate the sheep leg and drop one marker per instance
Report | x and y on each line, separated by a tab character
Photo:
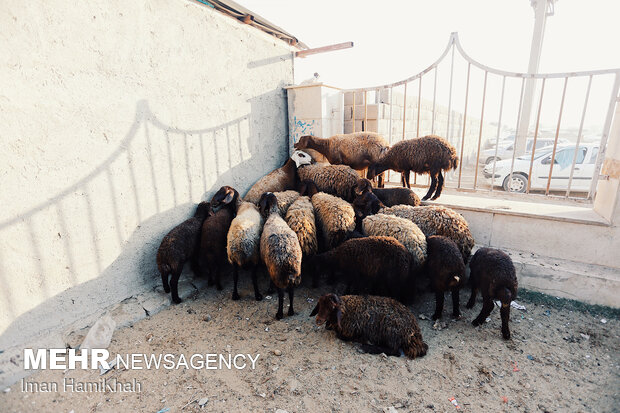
164	281
291	293
472	298
432	187
438	305
487	307
235	295
272	287
257	293
217	271
505	313
439	185
280	313
381	180
405	177
174	282
456	312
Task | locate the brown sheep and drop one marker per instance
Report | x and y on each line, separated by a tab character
280	251
338	180
493	273
357	150
382	321
281	179
180	245
429	154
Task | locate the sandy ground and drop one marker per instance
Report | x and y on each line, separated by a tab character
560	359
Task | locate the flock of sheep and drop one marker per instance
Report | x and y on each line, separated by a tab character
316	216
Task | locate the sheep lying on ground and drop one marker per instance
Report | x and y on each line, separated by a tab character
242	245
338	180
437	220
280	251
429	154
493	273
335	217
388	196
357	150
281	179
405	231
214	233
180	245
446	270
372	265
388	325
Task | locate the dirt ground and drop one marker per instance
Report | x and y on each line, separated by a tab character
560	359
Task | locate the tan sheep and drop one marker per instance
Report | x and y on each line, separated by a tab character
402	229
285	200
339	180
334	217
437	220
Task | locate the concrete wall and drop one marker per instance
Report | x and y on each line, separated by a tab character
116	118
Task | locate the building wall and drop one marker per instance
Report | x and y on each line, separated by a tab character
116	118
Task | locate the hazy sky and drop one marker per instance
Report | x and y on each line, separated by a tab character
395	39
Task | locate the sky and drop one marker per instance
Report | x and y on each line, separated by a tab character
396	39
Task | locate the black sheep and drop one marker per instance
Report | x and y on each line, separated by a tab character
446	270
180	245
493	273
376	265
382	321
388	196
214	231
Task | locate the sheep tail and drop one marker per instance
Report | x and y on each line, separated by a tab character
164	269
416	347
454	162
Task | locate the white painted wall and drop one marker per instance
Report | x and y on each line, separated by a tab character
116	118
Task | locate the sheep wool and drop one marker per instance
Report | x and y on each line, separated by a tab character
244	236
338	180
437	220
300	218
402	229
334	216
285	200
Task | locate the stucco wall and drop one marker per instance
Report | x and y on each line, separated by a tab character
116	118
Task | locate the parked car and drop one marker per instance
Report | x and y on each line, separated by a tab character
582	176
505	150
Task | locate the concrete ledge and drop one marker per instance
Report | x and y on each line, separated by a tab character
592	284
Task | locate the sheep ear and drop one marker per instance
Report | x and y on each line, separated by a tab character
315	311
229	198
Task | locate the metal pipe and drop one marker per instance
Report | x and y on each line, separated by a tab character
464	124
404	111
390	123
583	117
450	97
365	125
512	164
484	95
557	134
434	98
603	146
353	112
417	132
529	175
499	126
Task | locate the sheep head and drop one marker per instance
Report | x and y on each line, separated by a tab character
304	142
301	158
307	187
366	204
204	210
363	185
267	203
226	195
328	308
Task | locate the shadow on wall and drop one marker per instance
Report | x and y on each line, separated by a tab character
243	153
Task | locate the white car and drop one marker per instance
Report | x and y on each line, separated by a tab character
505	150
582	176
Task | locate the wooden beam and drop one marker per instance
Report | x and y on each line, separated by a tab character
330	48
